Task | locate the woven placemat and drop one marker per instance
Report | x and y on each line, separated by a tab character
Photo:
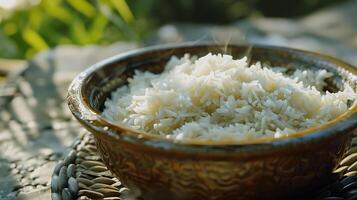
83	175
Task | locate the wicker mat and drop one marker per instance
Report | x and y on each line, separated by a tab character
82	175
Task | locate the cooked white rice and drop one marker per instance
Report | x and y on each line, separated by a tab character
217	98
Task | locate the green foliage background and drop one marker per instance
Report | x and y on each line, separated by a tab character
27	31
55	22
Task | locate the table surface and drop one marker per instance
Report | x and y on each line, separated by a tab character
36	127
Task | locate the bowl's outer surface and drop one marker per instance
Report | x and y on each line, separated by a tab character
159	169
178	176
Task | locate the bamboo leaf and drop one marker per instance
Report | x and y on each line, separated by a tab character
79	33
59	13
123	9
35	18
98	27
83	7
34	39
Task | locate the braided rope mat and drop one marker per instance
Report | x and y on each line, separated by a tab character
82	175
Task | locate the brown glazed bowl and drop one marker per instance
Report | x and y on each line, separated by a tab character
266	168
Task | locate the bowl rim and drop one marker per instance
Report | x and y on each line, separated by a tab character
95	122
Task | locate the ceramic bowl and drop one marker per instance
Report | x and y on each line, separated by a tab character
154	167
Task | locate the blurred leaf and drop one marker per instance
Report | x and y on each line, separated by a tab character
35	17
83	7
126	30
10	28
123	10
64	40
46	3
34	39
30	52
79	33
59	13
98	27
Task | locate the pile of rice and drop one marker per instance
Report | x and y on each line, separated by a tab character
216	97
